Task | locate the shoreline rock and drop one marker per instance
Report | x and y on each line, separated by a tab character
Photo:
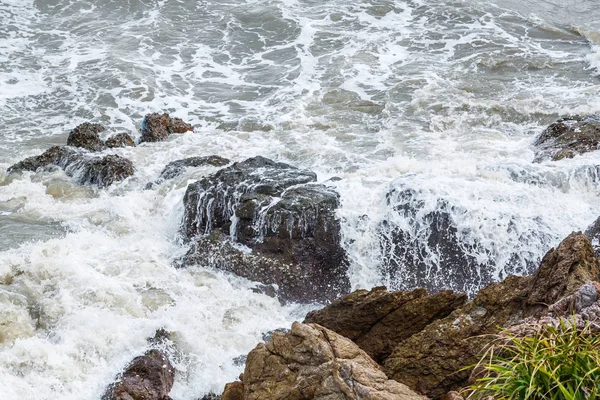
157	127
568	137
268	222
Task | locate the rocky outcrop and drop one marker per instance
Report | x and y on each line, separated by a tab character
563	270
86	136
378	320
148	377
432	360
157	127
176	168
312	362
84	167
568	137
277	211
423	247
120	140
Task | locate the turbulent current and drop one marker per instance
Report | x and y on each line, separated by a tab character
418	106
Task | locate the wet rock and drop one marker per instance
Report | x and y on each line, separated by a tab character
312	362
86	136
55	155
120	140
157	127
104	171
176	168
431	361
568	137
148	377
210	396
84	167
593	233
563	270
426	249
288	222
378	320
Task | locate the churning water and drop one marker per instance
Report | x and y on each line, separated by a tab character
440	99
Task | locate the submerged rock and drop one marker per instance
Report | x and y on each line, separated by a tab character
426	249
377	320
276	211
312	362
120	140
568	137
84	167
148	377
157	127
176	168
432	360
86	136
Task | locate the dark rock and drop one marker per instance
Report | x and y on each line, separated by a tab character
289	224
432	360
176	168
120	140
148	377
312	362
427	250
210	396
84	167
86	137
157	127
563	270
568	137
378	320
593	233
104	171
55	155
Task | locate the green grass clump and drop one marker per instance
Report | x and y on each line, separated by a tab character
553	363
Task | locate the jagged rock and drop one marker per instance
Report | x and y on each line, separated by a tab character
288	222
148	377
378	320
564	269
312	362
157	127
426	249
568	137
211	396
55	155
84	167
120	140
86	137
431	361
176	168
104	171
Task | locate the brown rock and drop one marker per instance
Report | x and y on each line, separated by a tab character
148	377
378	320
452	396
233	391
157	127
312	362
568	137
431	361
86	137
120	140
564	269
